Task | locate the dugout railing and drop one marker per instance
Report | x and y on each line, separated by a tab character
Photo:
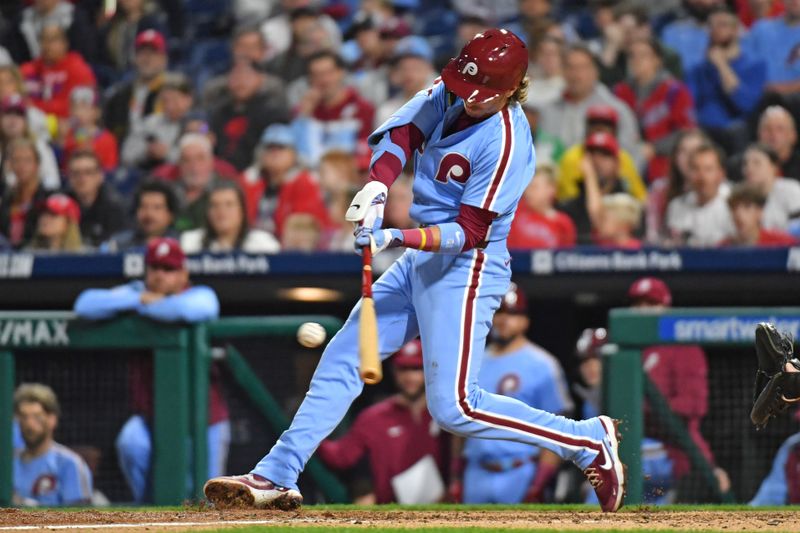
181	357
626	387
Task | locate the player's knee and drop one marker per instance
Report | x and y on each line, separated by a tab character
447	415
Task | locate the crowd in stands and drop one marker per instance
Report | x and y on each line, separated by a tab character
243	124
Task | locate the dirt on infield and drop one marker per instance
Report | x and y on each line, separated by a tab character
638	519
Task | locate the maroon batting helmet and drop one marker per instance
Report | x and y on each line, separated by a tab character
409	356
514	301
493	62
590	342
651	291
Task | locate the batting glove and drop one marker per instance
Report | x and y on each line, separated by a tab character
366	209
379	240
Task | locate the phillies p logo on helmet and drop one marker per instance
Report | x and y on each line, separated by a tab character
470	69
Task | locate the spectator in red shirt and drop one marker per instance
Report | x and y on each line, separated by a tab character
396	433
747	209
331	115
680	375
51	78
276	186
537	223
83	129
662	104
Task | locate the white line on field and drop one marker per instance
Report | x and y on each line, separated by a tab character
140	524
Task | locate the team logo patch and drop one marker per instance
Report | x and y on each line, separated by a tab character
470	69
44	484
508	385
453	166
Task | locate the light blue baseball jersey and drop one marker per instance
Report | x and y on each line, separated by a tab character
57	477
477	166
531	375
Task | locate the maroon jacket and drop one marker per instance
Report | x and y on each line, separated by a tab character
394	441
680	374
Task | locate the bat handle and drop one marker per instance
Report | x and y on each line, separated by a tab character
366	272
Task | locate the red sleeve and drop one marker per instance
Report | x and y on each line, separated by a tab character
348	450
624	93
388	167
366	114
689	395
106	148
568	235
475	222
683	109
306	197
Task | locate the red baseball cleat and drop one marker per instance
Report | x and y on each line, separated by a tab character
607	473
249	491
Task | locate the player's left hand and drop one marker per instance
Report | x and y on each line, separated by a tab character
366	209
379	240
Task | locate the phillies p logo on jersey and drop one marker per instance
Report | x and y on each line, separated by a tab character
453	166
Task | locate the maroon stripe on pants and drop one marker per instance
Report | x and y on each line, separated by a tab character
466	350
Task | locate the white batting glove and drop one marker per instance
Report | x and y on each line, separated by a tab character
366	209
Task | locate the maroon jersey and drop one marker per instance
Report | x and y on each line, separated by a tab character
680	374
394	440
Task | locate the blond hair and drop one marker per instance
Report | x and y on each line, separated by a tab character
71	241
521	93
625	207
37	393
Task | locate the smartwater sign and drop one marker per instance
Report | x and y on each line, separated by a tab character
721	328
31	332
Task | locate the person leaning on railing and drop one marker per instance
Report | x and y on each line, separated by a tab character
165	295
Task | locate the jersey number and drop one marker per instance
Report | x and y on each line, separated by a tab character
453	166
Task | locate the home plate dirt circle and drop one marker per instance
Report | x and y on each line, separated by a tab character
637	519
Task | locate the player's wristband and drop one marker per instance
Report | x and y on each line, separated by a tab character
447	238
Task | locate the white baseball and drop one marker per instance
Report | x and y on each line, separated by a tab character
311	335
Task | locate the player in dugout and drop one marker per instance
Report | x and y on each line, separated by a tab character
478	159
406	447
46	473
165	295
508	471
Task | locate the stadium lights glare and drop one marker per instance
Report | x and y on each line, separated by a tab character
311	294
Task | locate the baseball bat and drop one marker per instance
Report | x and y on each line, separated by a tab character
370	362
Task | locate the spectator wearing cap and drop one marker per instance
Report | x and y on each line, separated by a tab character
599	118
58	227
599	176
118	35
83	129
700	216
154	141
662	104
727	84
747	204
396	434
566	117
23	40
680	373
14	124
254	101
331	114
782	195
411	71
102	213
13	85
537	223
297	25
226	228
155	208
310	34
513	366
276	186
21	202
132	100
165	295
50	78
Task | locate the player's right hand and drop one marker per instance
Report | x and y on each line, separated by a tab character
379	240
366	209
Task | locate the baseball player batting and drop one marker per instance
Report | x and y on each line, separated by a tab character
473	157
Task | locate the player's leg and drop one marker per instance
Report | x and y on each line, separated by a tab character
455	314
334	386
478	484
134	450
218	437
